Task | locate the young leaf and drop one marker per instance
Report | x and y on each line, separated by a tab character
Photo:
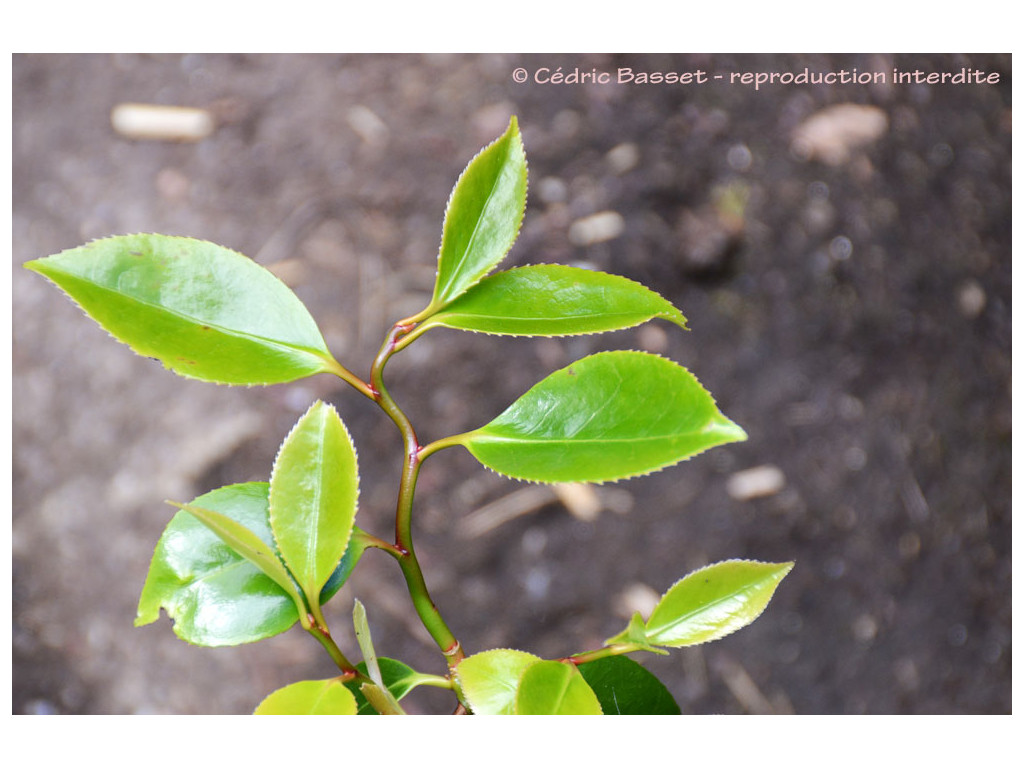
606	417
713	602
635	636
553	300
554	688
378	694
309	697
399	679
489	679
206	312
626	688
483	216
214	595
314	489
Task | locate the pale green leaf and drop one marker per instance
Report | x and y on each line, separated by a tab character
606	417
378	694
554	300
713	602
489	679
314	490
203	310
483	216
309	697
555	688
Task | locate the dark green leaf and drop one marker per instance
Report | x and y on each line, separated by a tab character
626	688
609	416
713	602
483	216
353	553
314	489
214	595
309	697
555	688
554	300
204	311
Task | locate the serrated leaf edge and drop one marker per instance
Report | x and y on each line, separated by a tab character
270	512
465	436
778	581
458	677
327	361
433	322
436	303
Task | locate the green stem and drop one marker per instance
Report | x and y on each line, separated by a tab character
425	607
321	633
369	540
444	442
333	366
616	649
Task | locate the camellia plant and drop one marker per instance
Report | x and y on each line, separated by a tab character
247	561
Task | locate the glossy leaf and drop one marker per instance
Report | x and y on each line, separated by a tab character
713	602
309	697
483	216
554	688
606	417
213	594
625	687
249	545
554	300
399	679
206	312
314	489
489	679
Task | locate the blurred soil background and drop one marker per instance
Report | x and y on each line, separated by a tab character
842	253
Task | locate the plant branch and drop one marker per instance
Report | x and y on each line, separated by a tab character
323	634
615	649
425	607
333	366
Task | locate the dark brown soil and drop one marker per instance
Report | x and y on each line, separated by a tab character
853	315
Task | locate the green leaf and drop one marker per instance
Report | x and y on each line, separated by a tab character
606	417
378	693
214	595
555	688
399	679
489	679
626	688
250	546
309	697
554	300
206	312
483	216
314	490
353	553
713	602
